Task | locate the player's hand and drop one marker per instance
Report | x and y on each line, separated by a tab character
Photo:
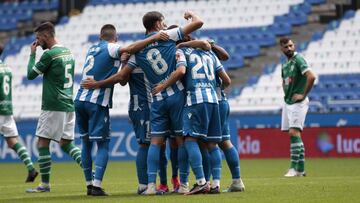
158	88
33	47
180	45
125	57
162	35
297	97
188	15
89	83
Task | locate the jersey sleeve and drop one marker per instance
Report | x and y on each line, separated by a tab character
132	62
43	64
175	34
302	65
114	50
180	58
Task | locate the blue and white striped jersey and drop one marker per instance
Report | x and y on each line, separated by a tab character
220	91
140	90
200	77
157	60
102	61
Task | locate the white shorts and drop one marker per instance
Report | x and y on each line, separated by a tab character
293	115
8	126
56	125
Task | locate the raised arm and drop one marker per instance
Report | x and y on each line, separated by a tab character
220	52
141	44
226	81
195	23
202	44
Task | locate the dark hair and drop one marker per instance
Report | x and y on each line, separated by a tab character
284	40
172	27
150	19
108	32
1	49
47	27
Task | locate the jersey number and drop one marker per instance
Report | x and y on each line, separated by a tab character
6	85
155	62
204	61
89	65
68	76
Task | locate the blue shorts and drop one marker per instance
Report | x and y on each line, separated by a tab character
92	120
166	116
224	110
202	121
140	121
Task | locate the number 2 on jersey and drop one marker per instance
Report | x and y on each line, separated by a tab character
204	61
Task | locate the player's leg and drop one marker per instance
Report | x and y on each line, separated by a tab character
82	122
141	167
302	108
163	187
174	163
193	118
10	133
214	137
101	160
205	160
230	152
184	166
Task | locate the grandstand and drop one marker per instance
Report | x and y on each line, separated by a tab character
246	28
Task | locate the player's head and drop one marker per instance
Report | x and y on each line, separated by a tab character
154	21
44	33
287	46
186	37
108	33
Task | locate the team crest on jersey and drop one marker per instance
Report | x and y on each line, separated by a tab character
189	115
106	119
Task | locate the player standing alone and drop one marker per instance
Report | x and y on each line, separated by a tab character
297	81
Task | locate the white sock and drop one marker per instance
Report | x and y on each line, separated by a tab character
237	180
215	183
97	183
201	181
88	183
142	186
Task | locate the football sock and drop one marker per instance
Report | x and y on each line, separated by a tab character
174	161
141	165
23	155
163	165
101	160
232	160
184	165
301	163
215	160
153	162
206	163
195	160
73	151
295	148
87	159
44	164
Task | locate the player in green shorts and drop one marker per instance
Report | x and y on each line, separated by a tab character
57	118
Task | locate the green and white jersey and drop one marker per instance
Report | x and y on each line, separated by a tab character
294	80
5	90
57	66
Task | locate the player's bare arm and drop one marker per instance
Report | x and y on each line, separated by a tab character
220	52
195	23
31	74
310	79
139	45
226	81
175	76
202	44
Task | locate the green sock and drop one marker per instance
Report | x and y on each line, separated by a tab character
295	148
301	164
73	151
44	164
23	155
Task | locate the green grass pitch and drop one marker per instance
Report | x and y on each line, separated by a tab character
328	180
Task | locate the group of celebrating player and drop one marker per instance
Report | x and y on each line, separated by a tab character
176	93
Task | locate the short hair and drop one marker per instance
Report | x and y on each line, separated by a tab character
108	32
1	49
284	40
172	27
46	27
150	19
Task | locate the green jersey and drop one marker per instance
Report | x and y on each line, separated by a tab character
57	66
5	90
294	80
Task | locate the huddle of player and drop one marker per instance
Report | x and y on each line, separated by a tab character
176	93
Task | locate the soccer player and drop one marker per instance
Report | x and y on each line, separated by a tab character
201	112
92	106
297	81
57	118
7	123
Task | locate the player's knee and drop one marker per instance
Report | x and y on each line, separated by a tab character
225	145
211	145
294	132
11	141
